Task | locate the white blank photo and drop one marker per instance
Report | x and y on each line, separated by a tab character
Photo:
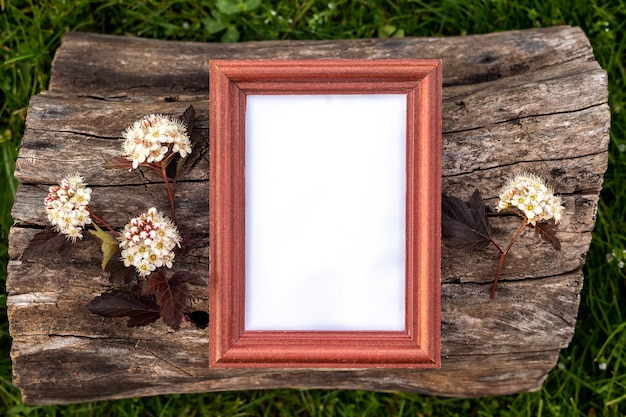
325	212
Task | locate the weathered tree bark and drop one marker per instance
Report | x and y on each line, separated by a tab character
527	100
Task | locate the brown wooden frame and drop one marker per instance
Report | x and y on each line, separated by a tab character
230	345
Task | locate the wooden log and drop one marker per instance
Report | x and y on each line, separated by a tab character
524	100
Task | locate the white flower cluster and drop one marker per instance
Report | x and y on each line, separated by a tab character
148	241
67	206
531	196
617	255
152	137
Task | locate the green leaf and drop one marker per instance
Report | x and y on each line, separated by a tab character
212	25
231	35
110	245
227	6
249	5
386	31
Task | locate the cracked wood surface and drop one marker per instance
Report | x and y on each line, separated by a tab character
522	100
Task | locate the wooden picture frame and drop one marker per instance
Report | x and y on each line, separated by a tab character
234	83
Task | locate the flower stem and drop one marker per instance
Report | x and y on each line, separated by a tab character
503	256
102	222
170	194
496	246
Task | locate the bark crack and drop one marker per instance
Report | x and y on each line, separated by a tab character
528	161
178	368
530	116
74	132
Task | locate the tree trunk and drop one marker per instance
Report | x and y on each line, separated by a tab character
532	100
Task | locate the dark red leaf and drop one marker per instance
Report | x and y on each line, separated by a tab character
140	309
171	169
464	225
170	297
47	242
171	294
188	117
175	165
547	231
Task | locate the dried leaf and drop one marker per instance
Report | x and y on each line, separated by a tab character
464	225
47	242
140	309
110	245
118	163
547	231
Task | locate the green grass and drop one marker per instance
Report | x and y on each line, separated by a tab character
591	376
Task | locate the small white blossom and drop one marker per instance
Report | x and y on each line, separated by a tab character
151	138
617	256
610	257
148	241
67	206
529	194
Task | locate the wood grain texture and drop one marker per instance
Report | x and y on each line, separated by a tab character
523	100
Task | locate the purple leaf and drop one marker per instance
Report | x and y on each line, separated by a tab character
169	296
140	309
47	242
175	166
464	225
547	231
188	117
